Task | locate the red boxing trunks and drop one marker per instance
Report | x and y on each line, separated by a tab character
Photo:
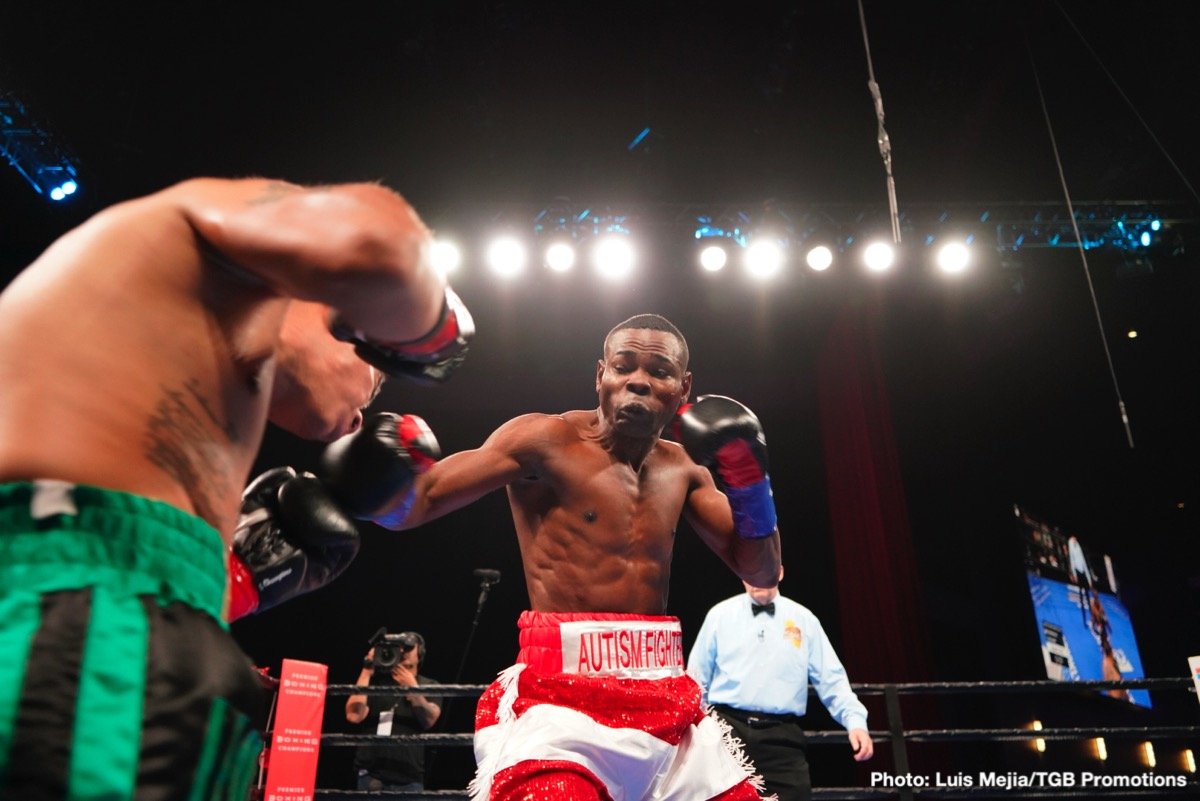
605	697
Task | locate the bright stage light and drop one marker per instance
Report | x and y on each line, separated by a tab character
953	257
764	258
445	256
1039	743
63	190
819	258
879	257
506	256
713	258
560	257
613	257
1145	239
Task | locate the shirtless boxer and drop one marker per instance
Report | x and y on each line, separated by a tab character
141	357
598	705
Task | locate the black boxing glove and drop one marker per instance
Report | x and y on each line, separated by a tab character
368	469
428	360
291	538
726	437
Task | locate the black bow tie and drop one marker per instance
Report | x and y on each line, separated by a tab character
769	608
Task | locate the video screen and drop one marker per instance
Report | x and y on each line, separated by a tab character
1085	631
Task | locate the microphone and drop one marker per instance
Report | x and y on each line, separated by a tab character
490	576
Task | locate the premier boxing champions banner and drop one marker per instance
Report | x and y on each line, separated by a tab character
296	736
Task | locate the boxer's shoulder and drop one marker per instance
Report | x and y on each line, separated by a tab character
672	453
538	429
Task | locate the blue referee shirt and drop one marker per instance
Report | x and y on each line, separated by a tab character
764	663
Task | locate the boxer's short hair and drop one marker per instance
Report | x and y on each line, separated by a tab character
651	322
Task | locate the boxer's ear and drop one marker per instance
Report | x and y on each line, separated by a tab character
686	384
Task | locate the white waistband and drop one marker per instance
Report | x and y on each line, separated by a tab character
624	648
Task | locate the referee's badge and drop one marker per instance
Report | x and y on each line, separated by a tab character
791	632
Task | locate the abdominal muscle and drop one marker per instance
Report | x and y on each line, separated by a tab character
569	570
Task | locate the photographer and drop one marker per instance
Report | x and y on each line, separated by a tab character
393	659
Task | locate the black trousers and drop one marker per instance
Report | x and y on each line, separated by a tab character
777	746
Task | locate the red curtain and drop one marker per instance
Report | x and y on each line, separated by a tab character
883	635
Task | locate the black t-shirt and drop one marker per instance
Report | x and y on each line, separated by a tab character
394	764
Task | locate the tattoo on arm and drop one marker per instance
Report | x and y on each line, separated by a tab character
273	192
187	442
193	388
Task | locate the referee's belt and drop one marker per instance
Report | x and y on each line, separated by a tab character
756	719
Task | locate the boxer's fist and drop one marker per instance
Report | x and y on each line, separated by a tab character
428	360
726	437
722	434
291	538
368	469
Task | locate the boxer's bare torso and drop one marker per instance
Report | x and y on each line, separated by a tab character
597	533
119	372
596	495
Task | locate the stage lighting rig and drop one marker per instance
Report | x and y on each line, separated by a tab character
1116	226
565	231
715	240
34	153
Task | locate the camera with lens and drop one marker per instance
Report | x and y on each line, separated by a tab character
390	649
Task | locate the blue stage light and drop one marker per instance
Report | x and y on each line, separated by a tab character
34	153
1145	239
63	190
707	230
637	140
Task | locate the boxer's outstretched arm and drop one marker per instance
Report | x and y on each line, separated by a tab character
359	248
513	451
755	561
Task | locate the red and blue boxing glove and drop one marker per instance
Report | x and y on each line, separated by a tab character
297	532
372	472
727	438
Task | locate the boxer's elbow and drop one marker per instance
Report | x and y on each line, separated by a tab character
356	711
383	233
757	561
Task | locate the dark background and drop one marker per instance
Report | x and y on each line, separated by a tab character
999	389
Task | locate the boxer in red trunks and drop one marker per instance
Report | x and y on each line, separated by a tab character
598	705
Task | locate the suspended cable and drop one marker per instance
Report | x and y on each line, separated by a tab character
1129	103
885	144
1087	272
